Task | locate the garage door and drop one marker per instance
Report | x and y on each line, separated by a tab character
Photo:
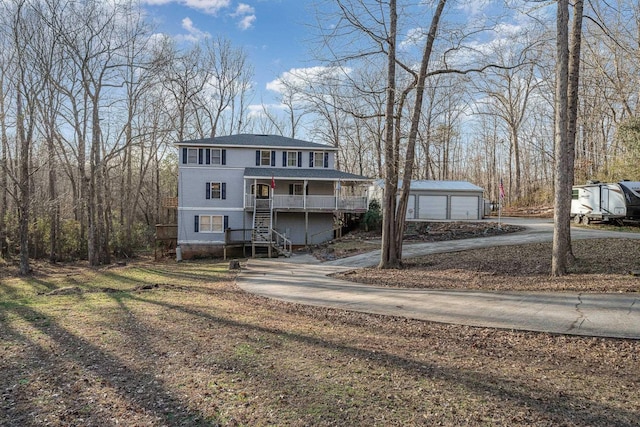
464	207
432	207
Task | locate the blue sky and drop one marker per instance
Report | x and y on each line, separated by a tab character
273	33
277	34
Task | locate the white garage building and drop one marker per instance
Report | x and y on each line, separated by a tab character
440	200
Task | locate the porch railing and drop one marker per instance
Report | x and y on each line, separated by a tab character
285	201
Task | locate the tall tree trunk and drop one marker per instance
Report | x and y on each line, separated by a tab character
562	200
24	195
54	205
388	253
413	132
4	247
572	101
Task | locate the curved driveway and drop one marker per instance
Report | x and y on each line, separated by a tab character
302	279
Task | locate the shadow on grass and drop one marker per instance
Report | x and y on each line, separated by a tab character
91	358
560	407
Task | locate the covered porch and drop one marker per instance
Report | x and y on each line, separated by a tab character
299	190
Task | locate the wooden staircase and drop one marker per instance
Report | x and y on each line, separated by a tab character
263	235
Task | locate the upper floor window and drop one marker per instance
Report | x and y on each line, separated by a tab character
265	158
318	159
292	159
200	156
192	155
216	157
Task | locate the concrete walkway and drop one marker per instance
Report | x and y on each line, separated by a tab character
302	279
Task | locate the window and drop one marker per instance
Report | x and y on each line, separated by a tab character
265	158
318	160
211	223
574	194
296	189
192	156
292	158
216	157
216	190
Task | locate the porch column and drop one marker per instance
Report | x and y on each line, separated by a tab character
304	197
244	193
306	228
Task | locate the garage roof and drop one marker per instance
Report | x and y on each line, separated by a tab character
438	185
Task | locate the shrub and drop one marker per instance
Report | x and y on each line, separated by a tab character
372	219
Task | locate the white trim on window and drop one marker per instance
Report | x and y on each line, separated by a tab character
211	224
192	156
265	157
292	159
216	190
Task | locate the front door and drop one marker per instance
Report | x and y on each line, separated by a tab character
263	191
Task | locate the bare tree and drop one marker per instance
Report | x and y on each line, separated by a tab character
562	201
20	25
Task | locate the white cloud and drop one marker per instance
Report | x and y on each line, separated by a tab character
257	110
473	7
247	22
246	14
300	77
211	7
243	9
193	34
414	37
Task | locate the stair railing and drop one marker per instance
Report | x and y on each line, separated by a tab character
282	242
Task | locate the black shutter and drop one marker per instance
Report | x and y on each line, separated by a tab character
223	190
196	223
200	155
290	189
207	156
299	159
257	157
226	222
311	159
224	157
208	195
184	156
273	158
284	159
326	160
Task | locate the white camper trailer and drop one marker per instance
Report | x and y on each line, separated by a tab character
599	201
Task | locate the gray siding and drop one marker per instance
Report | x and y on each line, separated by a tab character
192	201
293	226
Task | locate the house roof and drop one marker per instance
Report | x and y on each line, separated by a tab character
257	141
303	173
437	185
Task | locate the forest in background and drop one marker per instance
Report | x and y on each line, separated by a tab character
92	99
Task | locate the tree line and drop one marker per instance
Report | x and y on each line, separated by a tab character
92	99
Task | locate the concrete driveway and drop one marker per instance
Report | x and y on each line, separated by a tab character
302	279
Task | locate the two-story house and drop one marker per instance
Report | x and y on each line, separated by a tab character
261	191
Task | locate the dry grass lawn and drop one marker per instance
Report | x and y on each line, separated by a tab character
155	344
